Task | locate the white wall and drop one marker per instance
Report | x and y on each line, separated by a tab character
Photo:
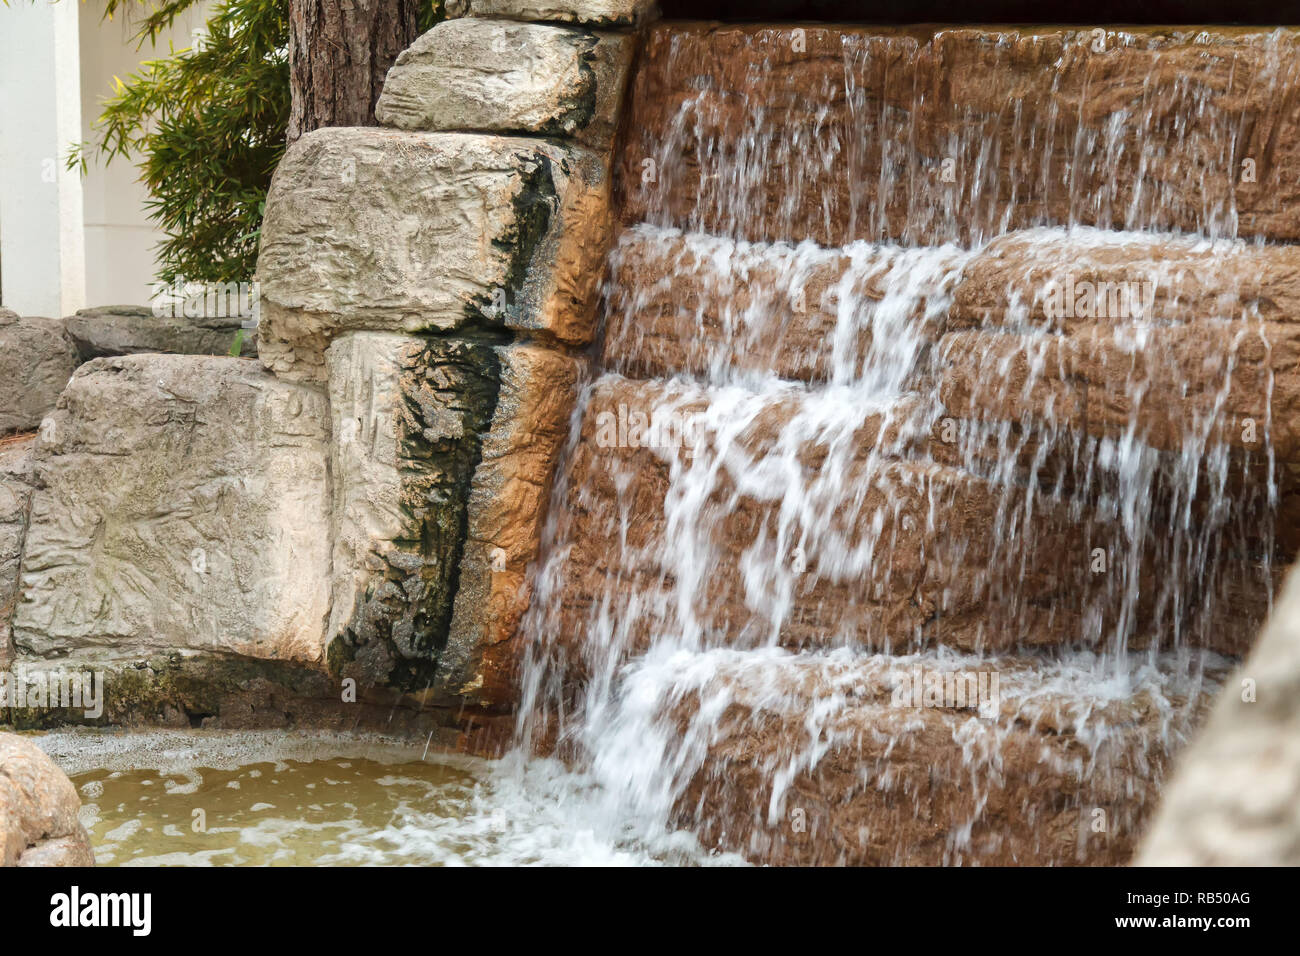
119	237
41	236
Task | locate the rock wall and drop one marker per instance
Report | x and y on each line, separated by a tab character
344	532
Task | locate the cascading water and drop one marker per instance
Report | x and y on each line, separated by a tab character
870	546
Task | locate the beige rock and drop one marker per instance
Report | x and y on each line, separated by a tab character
506	77
381	230
182	503
38	810
507	507
1235	792
36	360
613	13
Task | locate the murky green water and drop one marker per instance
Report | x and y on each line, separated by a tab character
274	799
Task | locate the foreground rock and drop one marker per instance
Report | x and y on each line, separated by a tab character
182	503
379	230
1233	799
36	361
38	810
497	76
128	330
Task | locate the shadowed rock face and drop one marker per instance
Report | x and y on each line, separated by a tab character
408	414
962	133
38	810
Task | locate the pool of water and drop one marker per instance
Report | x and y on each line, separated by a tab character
202	798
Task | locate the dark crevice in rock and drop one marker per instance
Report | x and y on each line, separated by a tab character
449	389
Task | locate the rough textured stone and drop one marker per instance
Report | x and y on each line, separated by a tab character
606	13
127	330
1236	382
36	361
928	135
1010	283
38	810
812	762
408	414
498	76
1234	799
182	502
380	230
15	498
507	506
943	574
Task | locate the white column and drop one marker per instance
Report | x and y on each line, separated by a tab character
42	232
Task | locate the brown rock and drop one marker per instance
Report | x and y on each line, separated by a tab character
38	810
896	554
928	135
507	507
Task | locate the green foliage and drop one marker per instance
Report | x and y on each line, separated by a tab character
208	125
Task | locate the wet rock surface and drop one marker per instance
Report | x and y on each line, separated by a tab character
381	230
506	77
36	360
927	135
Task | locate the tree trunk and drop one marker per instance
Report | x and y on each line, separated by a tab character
339	54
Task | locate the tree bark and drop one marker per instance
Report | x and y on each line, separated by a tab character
339	54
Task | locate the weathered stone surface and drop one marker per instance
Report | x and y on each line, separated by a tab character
507	506
36	361
38	810
380	230
710	307
606	13
1236	383
881	552
1089	275
928	135
127	330
812	760
182	502
504	77
15	498
408	415
1235	793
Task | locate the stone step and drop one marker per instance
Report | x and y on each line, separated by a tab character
836	133
929	759
687	303
778	525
